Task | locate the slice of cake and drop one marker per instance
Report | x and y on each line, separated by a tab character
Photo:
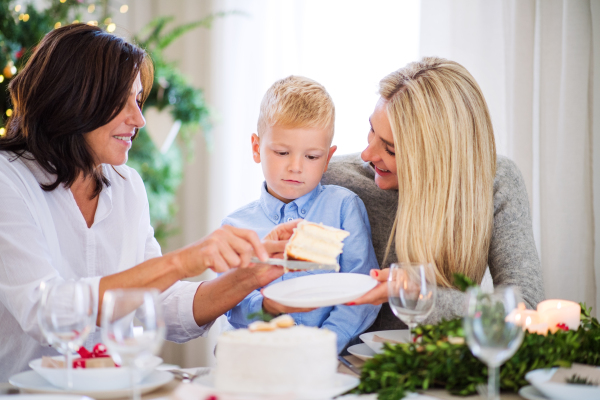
316	243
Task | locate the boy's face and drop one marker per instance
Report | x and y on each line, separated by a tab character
293	159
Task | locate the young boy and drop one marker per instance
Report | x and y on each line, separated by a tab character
293	145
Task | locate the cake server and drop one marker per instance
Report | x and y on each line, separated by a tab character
296	265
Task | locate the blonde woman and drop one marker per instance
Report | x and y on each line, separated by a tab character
436	191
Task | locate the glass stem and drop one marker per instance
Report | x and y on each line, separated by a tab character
411	326
69	361
493	383
135	389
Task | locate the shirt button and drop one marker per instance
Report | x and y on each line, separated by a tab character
303	211
276	217
290	219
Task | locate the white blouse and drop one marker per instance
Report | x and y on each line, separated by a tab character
44	237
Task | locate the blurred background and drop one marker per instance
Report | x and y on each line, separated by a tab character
537	62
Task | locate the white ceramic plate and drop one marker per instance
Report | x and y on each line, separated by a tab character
539	378
322	290
399	335
531	393
341	383
361	351
32	382
45	397
94	379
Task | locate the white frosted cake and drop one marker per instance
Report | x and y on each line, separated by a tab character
287	360
315	242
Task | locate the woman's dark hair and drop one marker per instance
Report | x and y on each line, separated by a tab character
78	79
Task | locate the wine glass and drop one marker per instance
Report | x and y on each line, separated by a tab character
66	318
492	335
411	292
133	329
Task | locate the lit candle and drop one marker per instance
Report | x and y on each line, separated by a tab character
540	328
523	317
554	312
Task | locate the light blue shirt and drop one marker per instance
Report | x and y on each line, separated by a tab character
334	206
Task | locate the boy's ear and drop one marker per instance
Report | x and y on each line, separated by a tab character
256	148
332	150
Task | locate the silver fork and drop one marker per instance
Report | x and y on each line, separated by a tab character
186	377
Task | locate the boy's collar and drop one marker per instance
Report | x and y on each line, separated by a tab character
273	206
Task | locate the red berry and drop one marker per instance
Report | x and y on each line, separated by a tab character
212	397
84	353
562	326
99	350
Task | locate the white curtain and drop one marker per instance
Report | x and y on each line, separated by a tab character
537	63
335	42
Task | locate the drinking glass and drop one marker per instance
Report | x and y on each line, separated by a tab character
66	318
133	328
491	333
411	292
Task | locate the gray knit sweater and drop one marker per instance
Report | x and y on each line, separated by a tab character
512	260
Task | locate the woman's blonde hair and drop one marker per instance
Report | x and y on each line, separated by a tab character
446	164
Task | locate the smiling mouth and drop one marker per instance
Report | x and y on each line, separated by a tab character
385	171
123	138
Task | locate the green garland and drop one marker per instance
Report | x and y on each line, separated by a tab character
437	362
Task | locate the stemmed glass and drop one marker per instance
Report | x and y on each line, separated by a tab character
491	333
66	318
133	328
411	292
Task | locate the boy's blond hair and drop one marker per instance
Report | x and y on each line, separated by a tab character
296	102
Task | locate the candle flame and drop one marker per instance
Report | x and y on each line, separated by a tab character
558	306
518	317
528	321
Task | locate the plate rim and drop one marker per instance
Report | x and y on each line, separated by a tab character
538	395
373	333
48	388
328	302
362	356
202	381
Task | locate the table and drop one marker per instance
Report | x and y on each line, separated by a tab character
165	391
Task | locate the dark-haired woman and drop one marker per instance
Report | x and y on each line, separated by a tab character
71	209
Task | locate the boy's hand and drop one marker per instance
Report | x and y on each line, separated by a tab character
274	308
276	240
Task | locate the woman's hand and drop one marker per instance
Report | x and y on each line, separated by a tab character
225	248
377	295
274	308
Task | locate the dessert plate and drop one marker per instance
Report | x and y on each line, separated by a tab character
530	393
540	379
321	290
361	351
399	335
94	379
341	383
32	382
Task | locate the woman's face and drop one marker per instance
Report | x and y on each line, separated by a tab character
110	143
380	150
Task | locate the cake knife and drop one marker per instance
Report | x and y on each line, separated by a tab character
296	265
